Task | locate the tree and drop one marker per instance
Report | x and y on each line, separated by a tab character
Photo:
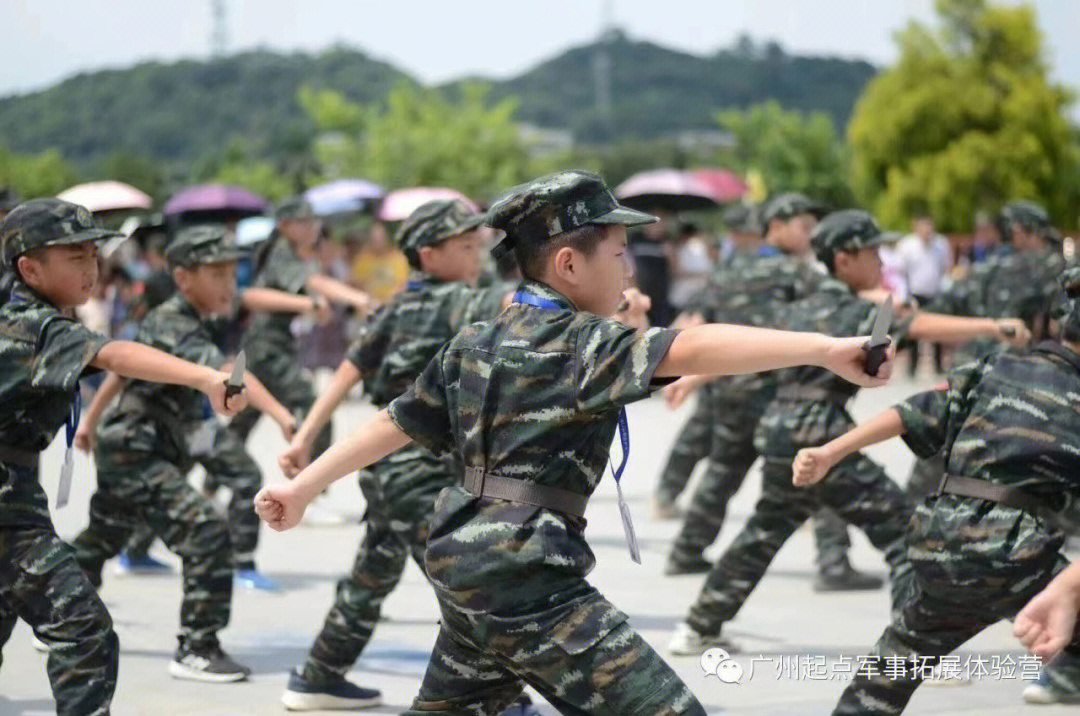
791	150
36	175
421	137
966	120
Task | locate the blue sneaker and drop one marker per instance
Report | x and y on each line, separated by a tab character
126	564
304	695
254	579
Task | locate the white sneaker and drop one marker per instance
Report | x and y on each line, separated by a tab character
687	642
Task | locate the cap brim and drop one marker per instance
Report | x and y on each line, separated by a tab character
625	216
81	237
881	239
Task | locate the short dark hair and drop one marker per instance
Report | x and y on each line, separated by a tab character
533	255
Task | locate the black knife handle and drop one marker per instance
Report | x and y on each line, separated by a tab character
231	391
875	356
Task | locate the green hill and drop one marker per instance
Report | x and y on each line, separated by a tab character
187	110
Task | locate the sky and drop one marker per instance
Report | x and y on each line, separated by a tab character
44	41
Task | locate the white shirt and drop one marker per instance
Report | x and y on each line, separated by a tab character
925	263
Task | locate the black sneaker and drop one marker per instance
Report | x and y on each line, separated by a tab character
304	695
522	707
206	664
845	578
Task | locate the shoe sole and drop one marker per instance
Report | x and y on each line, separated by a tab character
179	671
300	701
1036	694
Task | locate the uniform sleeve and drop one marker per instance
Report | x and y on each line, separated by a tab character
369	348
615	363
930	417
422	411
65	349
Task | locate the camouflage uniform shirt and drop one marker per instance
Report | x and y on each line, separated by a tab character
790	424
284	270
533	395
158	417
43	353
1014	420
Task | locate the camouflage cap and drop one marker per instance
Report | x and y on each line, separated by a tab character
787	206
47	222
554	204
1028	214
296	208
202	244
743	218
435	221
845	230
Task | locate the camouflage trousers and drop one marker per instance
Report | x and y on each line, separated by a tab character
229	464
857	489
394	529
41	583
954	593
281	372
691	447
735	407
581	655
136	488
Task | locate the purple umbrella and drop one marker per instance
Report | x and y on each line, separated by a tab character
343	195
215	197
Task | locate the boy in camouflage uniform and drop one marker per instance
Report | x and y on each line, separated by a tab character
152	437
224	456
988	539
286	263
50	246
1019	280
753	289
442	244
529	403
809	409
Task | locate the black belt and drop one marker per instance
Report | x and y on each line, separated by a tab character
484	484
1001	494
811	392
18	456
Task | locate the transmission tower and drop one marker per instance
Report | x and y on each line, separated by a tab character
219	34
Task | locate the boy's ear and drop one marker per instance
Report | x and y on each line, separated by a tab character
563	263
28	269
180	276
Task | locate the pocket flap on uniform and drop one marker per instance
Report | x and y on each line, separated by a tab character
587	625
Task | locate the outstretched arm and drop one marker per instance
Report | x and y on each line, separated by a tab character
956	329
722	349
812	464
296	457
281	506
338	292
269	299
135	360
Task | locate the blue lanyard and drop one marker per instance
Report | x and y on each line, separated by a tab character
415	285
72	422
624	424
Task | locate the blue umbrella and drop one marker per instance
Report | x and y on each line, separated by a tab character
343	195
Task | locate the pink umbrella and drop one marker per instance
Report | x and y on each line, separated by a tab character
398	204
106	196
724	185
215	198
668	189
